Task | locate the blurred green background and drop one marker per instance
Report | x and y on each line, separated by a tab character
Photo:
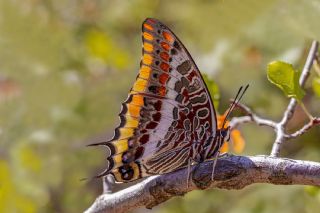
66	66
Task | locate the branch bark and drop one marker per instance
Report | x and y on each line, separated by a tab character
231	172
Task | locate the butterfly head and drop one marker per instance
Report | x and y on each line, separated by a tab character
225	134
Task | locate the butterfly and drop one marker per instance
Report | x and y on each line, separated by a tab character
168	120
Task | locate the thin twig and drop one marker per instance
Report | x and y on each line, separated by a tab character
281	136
251	117
304	129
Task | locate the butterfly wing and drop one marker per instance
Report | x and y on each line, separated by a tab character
168	116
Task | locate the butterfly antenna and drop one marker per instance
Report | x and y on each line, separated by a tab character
231	106
236	100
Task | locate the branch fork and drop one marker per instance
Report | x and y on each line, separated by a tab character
280	127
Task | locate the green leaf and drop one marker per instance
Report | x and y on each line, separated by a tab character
316	86
213	89
286	78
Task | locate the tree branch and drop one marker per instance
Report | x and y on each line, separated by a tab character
281	136
305	128
231	172
251	117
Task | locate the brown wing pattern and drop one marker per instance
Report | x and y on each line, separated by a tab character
168	116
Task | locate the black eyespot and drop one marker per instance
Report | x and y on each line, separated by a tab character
157	62
176	45
153	89
159	31
173	51
157	51
126	172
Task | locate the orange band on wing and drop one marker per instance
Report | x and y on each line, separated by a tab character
167	36
147	36
131	121
147	26
117	159
125	133
145	72
140	85
137	100
165	46
134	111
121	145
147	47
147	59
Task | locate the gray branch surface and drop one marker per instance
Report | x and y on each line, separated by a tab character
231	172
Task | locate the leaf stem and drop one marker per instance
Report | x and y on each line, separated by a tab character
306	110
316	65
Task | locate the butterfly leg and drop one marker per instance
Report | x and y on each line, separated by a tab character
225	155
214	164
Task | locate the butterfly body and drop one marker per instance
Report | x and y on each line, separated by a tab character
168	118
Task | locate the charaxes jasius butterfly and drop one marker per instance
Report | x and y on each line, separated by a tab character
168	119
